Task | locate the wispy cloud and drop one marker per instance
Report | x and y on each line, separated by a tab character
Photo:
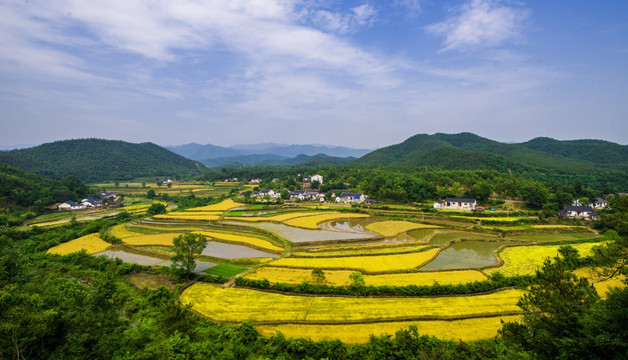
481	24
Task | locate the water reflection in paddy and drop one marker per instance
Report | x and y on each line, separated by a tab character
465	254
298	235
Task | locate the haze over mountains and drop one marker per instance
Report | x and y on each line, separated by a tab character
269	154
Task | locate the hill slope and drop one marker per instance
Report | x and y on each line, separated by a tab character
594	163
96	160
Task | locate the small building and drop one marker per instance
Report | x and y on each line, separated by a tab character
581	212
456	204
351	197
91	202
70	205
317	177
256	180
106	195
600	203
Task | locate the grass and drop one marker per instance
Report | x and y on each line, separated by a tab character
91	243
392	228
378	263
311	222
341	277
226	270
246	240
541	237
235	305
156	239
524	260
465	330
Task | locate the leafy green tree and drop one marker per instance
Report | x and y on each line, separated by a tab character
553	310
318	275
151	194
357	279
285	195
186	246
156	209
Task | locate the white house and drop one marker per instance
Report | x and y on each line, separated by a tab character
578	212
456	204
70	205
350	197
600	203
317	177
256	181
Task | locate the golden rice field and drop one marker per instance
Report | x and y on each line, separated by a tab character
311	222
275	218
91	243
465	330
235	305
490	219
223	206
156	239
122	232
392	228
246	240
602	286
363	251
341	277
189	216
523	260
378	263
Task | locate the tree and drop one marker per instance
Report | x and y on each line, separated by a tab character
186	246
357	279
553	311
156	209
151	194
318	275
285	195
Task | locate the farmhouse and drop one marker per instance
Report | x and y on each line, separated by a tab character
317	177
350	197
456	204
599	203
70	205
106	195
578	212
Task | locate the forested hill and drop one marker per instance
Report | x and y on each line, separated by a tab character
96	160
596	163
21	189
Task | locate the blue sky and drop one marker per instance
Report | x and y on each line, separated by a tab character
354	73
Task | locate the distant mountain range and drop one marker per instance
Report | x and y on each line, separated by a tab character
596	163
267	154
96	160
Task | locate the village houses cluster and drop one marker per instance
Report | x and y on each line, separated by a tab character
88	202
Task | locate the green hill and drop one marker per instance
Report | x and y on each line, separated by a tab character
21	189
595	163
94	160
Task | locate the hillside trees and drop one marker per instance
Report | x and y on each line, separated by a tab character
186	247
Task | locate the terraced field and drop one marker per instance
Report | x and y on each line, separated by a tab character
392	228
91	243
235	305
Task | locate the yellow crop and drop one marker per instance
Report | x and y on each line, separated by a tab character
378	263
247	240
311	222
465	330
523	260
121	232
225	205
363	250
234	305
341	277
157	239
91	243
490	219
602	286
392	228
189	216
558	226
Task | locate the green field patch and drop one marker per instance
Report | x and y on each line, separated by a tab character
226	270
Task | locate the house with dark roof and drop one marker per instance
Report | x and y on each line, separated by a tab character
70	205
599	203
90	201
581	212
456	204
350	197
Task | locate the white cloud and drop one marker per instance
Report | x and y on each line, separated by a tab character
481	23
